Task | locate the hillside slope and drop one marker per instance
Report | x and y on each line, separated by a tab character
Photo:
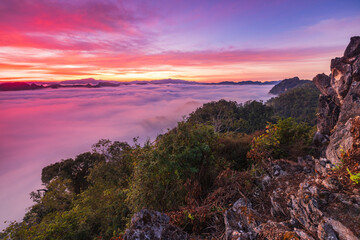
287	84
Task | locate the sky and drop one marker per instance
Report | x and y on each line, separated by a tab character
41	127
202	40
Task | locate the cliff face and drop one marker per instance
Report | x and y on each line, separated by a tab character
339	101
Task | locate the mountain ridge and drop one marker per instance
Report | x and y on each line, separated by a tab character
287	84
93	83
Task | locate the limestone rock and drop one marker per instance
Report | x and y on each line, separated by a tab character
343	232
341	77
326	232
353	49
339	101
351	106
340	140
302	234
356	70
322	82
328	114
240	221
152	225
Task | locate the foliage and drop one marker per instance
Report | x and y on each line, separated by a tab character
186	152
206	217
233	148
82	199
286	138
354	177
74	170
299	103
228	116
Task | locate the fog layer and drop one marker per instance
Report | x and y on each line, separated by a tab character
41	127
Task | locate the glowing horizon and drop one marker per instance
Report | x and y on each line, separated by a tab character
205	41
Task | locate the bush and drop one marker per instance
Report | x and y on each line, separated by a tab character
185	154
286	138
233	148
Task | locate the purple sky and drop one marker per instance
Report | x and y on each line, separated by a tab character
201	40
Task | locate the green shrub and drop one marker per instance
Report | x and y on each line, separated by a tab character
355	178
286	138
233	148
186	153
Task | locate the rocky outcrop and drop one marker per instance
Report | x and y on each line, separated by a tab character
328	114
339	101
241	221
314	209
152	225
294	200
340	141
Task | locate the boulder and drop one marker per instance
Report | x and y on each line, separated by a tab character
152	225
322	82
356	70
351	105
352	50
240	221
341	77
328	114
343	232
326	232
340	141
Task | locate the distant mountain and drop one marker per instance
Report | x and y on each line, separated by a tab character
164	81
287	84
86	81
17	86
93	83
299	102
247	83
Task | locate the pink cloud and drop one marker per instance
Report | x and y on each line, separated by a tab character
64	15
73	25
228	63
194	58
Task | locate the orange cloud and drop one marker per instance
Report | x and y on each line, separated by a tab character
235	64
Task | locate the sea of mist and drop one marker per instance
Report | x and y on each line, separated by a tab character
41	127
